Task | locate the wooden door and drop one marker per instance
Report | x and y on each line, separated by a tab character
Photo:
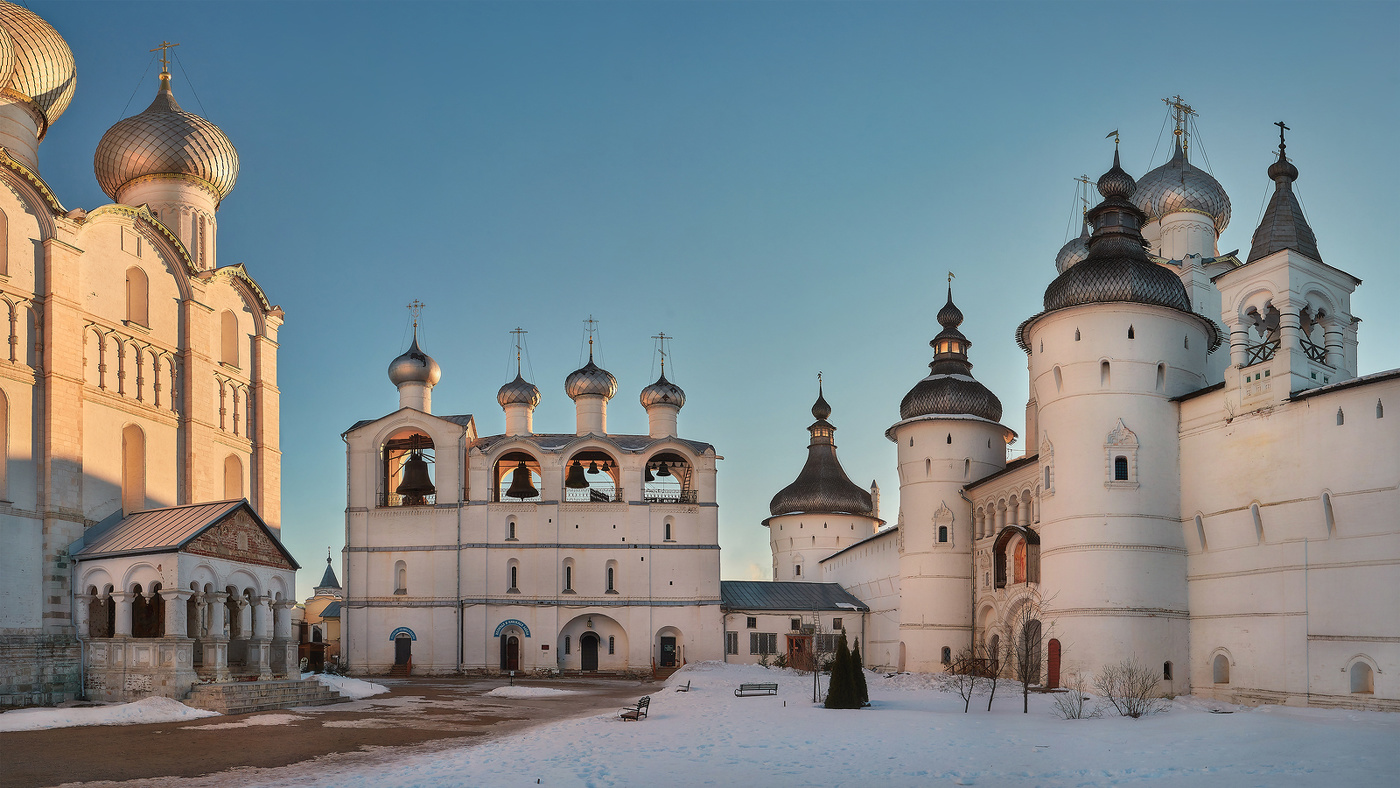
403	650
512	653
588	645
668	652
1052	680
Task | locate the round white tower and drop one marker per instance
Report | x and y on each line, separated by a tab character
37	80
176	163
1116	342
948	436
821	512
415	373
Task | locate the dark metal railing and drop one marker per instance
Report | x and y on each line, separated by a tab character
662	495
394	499
1255	354
597	493
1317	353
499	496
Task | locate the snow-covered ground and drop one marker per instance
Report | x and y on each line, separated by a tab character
915	735
526	692
147	710
350	688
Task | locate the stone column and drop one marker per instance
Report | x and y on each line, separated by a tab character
122	626
1290	332
245	618
176	611
259	646
284	659
81	617
1023	511
215	645
1332	341
1239	339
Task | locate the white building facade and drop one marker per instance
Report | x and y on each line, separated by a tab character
1209	487
522	551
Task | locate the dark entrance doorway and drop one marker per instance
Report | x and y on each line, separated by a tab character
512	653
588	646
668	652
403	650
1052	678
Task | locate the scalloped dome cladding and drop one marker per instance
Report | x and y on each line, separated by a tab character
7	54
950	395
1099	280
413	365
663	392
1073	252
518	392
822	488
165	140
42	67
1179	185
590	379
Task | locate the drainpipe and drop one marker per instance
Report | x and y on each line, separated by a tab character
972	597
1307	628
72	616
457	556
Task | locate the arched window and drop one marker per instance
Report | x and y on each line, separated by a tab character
1162	377
568	646
1258	522
400	577
1076	335
797	570
1059	380
1103	374
1019	570
513	575
1341	418
612	644
612	579
137	297
1362	678
1201	532
1221	669
1120	468
1327	515
943	533
1130	333
510	530
233	477
593	476
1380	410
928	468
670	534
228	338
669	478
516	478
568	577
409	463
1167	671
947	655
133	469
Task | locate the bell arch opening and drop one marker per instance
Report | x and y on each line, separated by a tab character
516	478
668	478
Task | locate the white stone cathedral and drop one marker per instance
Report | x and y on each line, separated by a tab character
1218	504
140	489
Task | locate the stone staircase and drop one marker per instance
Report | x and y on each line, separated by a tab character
661	674
243	697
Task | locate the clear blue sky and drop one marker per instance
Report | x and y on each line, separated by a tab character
782	186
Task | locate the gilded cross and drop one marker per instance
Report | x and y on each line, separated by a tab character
519	334
416	309
1281	129
164	48
661	338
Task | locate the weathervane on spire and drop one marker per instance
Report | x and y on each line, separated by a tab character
1114	135
164	48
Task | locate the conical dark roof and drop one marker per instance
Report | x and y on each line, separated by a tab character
950	388
328	579
823	486
1284	226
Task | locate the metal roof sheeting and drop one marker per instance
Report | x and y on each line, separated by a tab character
168	530
774	595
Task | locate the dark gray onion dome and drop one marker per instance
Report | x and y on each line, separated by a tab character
518	392
414	366
1075	251
950	388
1284	226
663	392
822	487
1180	185
1117	268
590	379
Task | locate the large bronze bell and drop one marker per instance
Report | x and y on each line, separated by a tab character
648	476
520	484
664	471
574	480
416	483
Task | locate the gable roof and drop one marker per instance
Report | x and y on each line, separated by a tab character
332	610
463	420
169	529
774	595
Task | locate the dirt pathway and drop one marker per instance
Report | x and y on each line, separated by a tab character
417	715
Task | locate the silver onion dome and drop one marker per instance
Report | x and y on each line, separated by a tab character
950	388
822	487
1179	185
1073	252
518	392
414	366
590	379
165	140
36	65
663	392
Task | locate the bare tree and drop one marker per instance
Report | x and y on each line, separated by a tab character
1073	704
1027	646
1130	687
995	657
964	676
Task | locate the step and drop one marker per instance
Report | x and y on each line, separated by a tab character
244	697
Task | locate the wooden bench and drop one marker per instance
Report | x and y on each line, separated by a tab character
686	688
638	711
745	690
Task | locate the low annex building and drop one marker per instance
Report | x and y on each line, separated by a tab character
524	551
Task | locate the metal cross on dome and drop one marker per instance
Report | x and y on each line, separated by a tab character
416	309
164	48
661	338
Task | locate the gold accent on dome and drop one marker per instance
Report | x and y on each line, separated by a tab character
11	163
44	75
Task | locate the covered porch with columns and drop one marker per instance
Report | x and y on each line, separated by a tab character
170	598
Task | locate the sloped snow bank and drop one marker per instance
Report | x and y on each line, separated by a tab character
350	688
526	692
144	711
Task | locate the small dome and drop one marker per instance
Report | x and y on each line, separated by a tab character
590	379
821	409
952	395
1073	252
518	392
1116	182
414	366
165	140
663	392
1106	279
36	63
1179	185
822	487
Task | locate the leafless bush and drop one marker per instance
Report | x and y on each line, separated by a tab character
964	677
1131	689
1074	704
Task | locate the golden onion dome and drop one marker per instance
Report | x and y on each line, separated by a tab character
166	140
36	65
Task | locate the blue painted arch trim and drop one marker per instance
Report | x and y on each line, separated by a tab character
511	622
402	631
